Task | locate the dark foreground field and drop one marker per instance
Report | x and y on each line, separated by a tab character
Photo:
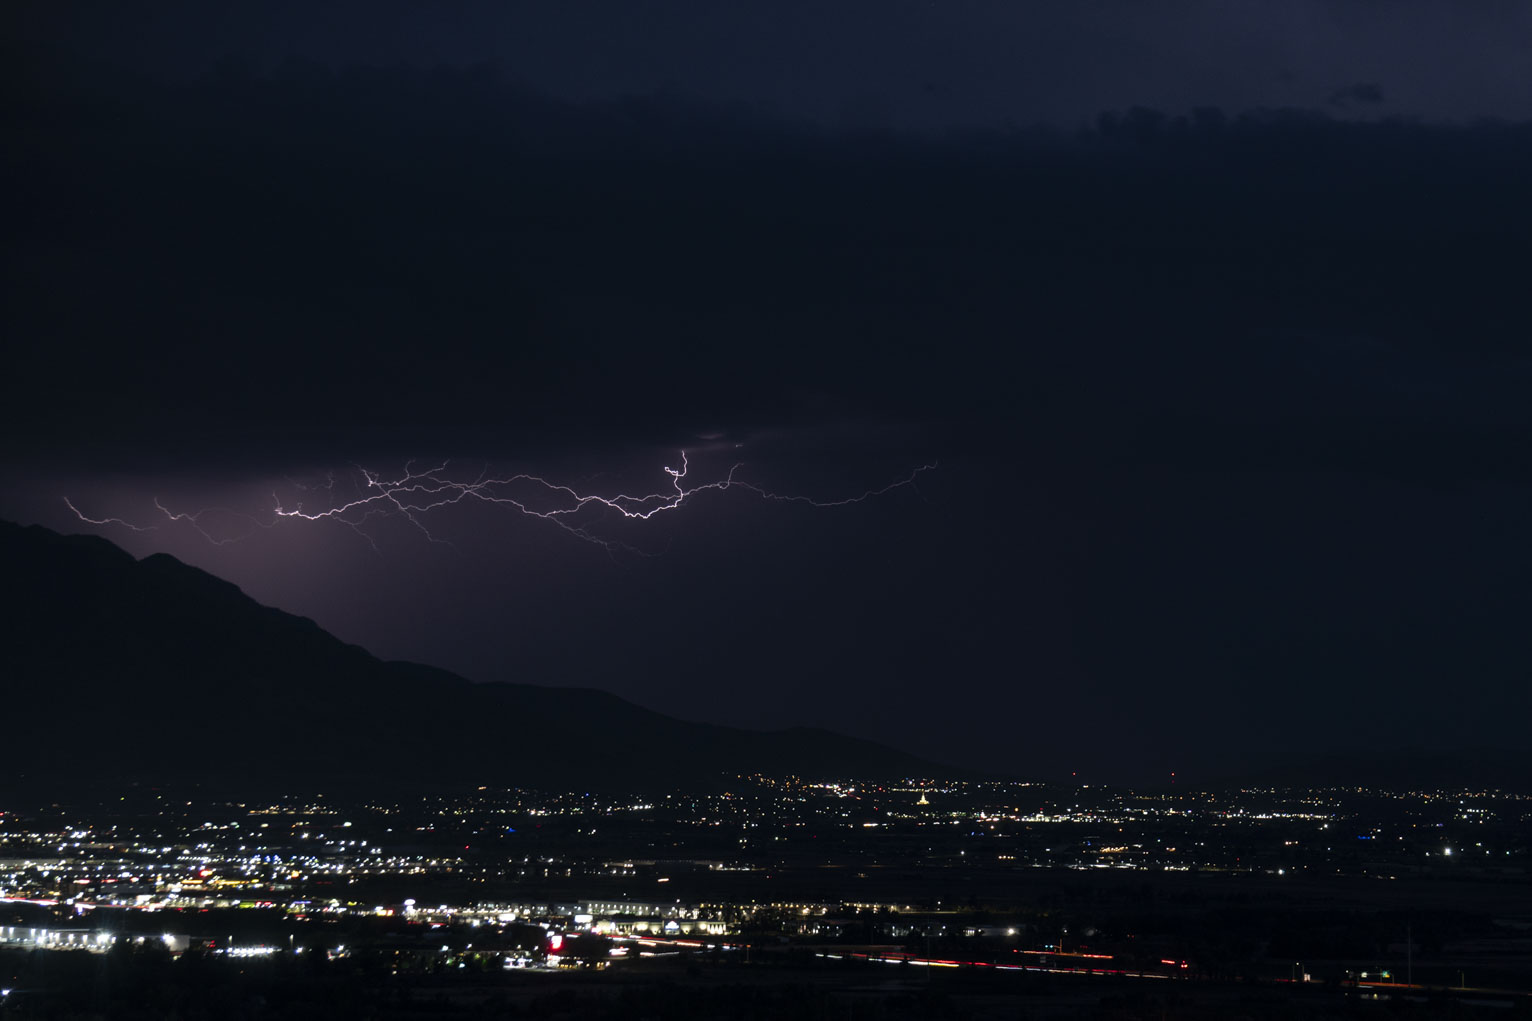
783	984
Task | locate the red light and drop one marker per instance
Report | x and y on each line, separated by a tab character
555	941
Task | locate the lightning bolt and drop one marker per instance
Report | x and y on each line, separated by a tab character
106	521
194	519
415	493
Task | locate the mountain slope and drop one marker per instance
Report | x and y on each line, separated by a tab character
115	667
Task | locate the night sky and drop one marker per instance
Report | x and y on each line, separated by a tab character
1212	317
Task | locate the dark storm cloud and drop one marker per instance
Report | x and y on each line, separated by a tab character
869	62
1360	93
390	250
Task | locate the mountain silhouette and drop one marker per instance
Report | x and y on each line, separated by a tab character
1413	769
116	669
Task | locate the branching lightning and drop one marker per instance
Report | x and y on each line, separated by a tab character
106	521
194	519
415	494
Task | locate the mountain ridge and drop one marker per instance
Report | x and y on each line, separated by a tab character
152	667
